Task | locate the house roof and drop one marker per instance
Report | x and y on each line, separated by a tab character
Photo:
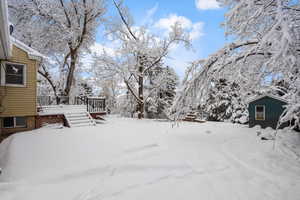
5	43
32	54
266	95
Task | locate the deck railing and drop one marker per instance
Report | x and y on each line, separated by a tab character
93	104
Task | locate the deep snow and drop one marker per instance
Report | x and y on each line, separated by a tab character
127	159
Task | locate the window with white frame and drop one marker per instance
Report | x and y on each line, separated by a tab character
13	74
14	122
260	112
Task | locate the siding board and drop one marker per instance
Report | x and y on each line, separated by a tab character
21	101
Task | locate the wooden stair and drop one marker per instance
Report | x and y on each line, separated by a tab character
75	115
192	117
79	119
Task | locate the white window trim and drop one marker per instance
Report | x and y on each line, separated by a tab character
15	123
3	81
264	113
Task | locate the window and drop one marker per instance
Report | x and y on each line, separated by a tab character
14	122
8	122
14	74
259	112
20	122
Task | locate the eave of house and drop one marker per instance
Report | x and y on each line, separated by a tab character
32	54
5	43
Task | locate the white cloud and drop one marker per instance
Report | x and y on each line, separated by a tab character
152	10
207	4
195	29
100	49
166	23
150	13
180	58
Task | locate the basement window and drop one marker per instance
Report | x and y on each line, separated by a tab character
20	122
14	122
259	112
8	122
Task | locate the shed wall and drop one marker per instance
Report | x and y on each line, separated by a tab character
273	110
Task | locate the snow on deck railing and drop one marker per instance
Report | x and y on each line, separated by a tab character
90	104
61	109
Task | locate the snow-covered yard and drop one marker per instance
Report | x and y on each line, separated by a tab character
128	159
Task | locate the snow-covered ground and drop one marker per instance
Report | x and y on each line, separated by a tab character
128	159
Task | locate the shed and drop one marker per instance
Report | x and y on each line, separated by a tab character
265	110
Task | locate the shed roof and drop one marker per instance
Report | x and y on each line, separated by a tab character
266	95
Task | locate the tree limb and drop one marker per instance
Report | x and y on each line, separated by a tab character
46	75
124	20
69	25
132	92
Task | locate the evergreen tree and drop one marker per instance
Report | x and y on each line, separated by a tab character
161	91
224	102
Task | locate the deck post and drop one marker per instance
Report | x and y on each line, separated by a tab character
87	104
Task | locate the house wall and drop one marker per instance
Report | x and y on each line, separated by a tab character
273	110
20	101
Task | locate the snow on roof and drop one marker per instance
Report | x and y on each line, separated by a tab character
266	95
33	54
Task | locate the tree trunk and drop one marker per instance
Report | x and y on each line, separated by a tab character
57	100
73	56
141	93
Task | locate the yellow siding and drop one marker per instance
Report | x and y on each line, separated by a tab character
21	101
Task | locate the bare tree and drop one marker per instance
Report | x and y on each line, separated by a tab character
140	52
61	29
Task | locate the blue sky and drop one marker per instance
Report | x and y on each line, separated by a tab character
202	19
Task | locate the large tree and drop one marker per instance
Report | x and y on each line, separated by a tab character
266	47
61	29
138	53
